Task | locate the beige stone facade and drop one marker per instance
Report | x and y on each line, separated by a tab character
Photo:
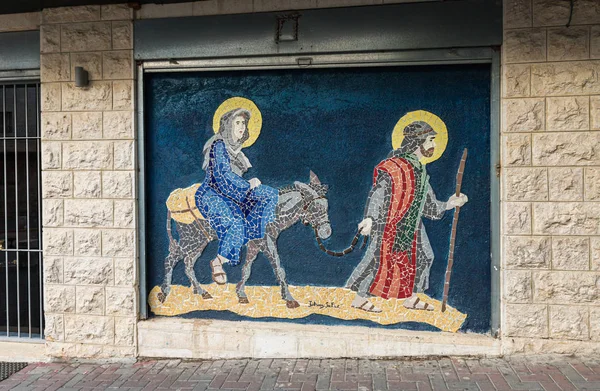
550	193
88	178
551	151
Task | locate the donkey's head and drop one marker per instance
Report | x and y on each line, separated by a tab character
315	206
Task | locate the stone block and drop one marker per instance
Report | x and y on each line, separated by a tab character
89	213
87	125
524	115
56	126
96	97
565	184
517	218
595	256
120	301
517	149
125	331
67	350
87	155
517	80
50	97
517	286
592	184
527	252
52	213
50	38
54	327
219	7
51	155
517	13
87	184
571	113
117	184
58	241
550	12
569	322
90	300
595	323
53	270
59	298
568	288
86	37
90	329
118	243
570	253
55	67
71	14
124	213
586	12
526	184
118	125
595	112
151	11
123	95
124	155
88	271
57	184
565	78
566	218
595	42
125	274
568	43
91	62
526	320
524	45
116	12
88	242
122	35
117	64
566	149
20	22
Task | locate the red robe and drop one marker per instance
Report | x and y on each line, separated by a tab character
397	269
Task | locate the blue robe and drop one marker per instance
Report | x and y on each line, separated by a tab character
236	212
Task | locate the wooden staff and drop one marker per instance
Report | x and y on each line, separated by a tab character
459	177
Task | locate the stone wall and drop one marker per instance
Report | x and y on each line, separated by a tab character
551	177
88	182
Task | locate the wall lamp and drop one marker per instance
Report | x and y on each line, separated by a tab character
81	77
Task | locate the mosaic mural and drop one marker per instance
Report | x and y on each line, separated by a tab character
223	221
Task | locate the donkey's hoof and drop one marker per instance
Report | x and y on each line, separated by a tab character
161	297
243	300
292	304
206	296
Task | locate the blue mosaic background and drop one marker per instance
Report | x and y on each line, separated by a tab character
338	123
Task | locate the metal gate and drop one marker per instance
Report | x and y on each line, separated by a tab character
21	301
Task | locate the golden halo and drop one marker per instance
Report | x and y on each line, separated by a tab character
441	139
237	102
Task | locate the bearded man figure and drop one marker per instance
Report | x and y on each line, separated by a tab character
398	259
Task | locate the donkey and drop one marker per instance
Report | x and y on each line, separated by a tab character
299	202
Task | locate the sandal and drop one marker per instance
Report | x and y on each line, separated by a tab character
415	306
365	305
219	277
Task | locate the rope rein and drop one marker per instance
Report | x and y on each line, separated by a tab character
346	251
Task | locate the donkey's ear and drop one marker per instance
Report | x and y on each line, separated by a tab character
314	179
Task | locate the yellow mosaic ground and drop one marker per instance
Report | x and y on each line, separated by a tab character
266	302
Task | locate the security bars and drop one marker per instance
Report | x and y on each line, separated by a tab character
21	301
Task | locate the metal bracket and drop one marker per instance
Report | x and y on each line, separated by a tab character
287	28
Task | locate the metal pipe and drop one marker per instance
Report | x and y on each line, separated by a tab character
5	207
39	205
17	213
28	227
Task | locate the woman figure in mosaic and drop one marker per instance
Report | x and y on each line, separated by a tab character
237	209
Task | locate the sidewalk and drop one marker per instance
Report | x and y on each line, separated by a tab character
534	373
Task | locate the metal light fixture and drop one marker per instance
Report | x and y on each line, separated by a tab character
81	77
